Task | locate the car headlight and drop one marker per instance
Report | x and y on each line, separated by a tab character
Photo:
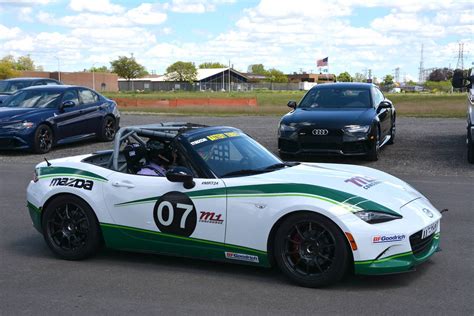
374	217
353	129
20	125
287	128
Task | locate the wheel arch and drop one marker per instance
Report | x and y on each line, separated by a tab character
277	224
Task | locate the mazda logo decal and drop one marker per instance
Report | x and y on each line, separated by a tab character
320	132
427	212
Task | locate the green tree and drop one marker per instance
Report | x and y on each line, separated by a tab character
257	69
99	69
128	68
344	77
440	74
7	68
211	65
182	71
358	77
275	75
387	80
25	63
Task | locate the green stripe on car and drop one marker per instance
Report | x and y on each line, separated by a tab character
50	172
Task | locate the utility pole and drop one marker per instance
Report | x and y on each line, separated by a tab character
460	63
93	76
421	69
59	68
397	74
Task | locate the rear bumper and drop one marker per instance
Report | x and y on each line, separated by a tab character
403	262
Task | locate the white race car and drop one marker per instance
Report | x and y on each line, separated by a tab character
225	197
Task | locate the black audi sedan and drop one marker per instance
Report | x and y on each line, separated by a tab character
353	119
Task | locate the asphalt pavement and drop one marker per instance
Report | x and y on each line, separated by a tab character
429	154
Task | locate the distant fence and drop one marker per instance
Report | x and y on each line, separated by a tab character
173	103
208	86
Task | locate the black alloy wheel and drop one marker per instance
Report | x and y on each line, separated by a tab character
310	250
109	129
470	148
373	153
43	139
393	132
70	228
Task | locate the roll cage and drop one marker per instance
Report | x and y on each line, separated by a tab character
163	131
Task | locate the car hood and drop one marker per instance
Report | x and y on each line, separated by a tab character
17	114
336	118
355	186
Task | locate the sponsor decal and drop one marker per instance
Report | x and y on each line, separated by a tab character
363	182
210	182
211	218
72	182
222	136
198	141
388	238
175	214
241	257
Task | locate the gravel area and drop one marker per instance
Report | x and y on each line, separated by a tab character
424	146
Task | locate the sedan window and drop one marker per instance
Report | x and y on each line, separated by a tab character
71	95
88	97
33	99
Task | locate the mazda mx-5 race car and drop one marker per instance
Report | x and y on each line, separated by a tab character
226	198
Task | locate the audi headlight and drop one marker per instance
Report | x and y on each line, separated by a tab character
20	125
374	217
287	128
355	129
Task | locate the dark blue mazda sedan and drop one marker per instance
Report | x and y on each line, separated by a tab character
40	117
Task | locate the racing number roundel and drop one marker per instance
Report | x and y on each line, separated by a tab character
175	213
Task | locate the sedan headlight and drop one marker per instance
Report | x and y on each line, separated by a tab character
374	217
354	129
20	125
287	128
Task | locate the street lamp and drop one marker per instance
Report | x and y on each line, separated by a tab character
93	76
59	68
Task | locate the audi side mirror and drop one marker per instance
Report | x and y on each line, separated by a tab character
292	104
181	174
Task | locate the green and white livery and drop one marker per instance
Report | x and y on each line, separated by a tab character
227	198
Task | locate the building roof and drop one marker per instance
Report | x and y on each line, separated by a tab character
202	73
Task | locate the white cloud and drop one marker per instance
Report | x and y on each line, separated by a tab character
196	6
28	3
102	6
8	33
146	13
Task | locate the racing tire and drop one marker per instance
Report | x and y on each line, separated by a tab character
70	228
393	132
311	250
43	139
374	149
108	129
470	148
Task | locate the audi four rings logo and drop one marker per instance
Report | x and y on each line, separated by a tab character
320	132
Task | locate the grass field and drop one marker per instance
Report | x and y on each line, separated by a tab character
274	103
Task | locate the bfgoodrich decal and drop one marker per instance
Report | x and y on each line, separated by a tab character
241	257
387	238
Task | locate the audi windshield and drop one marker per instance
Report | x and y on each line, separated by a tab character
336	98
231	153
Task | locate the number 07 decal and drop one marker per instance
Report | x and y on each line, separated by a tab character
175	213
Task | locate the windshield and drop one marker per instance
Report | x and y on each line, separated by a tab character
9	87
330	98
33	99
232	153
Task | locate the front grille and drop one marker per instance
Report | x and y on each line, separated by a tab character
420	246
308	140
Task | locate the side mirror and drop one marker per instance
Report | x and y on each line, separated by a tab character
67	104
181	174
292	104
385	105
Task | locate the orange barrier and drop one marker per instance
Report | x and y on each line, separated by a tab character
172	103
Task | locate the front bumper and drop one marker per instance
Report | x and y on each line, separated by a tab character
13	142
337	147
398	263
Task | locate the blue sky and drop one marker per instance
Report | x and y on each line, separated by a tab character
286	35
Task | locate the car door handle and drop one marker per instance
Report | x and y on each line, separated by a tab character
124	184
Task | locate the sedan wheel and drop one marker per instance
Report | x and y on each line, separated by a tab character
108	129
310	250
43	139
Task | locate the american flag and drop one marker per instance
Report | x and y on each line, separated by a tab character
322	62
